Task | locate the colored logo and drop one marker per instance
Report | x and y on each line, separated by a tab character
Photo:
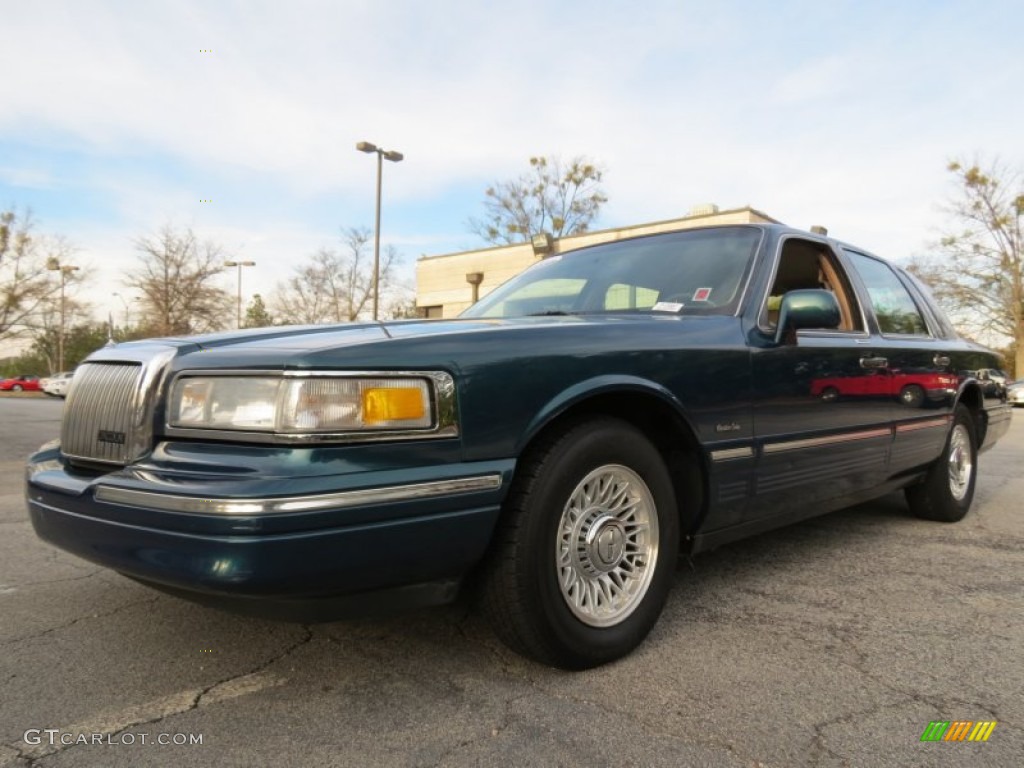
958	730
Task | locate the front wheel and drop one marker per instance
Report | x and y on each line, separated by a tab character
16	388
586	551
947	490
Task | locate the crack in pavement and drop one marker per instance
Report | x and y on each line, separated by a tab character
859	665
653	729
155	711
44	582
59	627
819	731
234	685
497	729
9	756
508	661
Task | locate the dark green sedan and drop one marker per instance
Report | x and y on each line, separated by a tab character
552	451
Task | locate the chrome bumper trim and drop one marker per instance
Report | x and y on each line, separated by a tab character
340	500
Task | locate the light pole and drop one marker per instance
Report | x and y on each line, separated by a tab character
382	155
127	309
65	270
239	264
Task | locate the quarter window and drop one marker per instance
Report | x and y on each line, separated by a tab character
894	306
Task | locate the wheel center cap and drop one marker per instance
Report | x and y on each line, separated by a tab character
606	543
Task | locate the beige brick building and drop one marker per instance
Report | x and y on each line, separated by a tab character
445	284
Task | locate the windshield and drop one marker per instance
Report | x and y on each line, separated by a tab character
699	271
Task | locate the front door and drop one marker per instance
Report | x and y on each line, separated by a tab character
822	415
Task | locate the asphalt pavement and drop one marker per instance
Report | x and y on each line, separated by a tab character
831	643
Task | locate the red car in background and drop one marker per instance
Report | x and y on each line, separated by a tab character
912	389
19	383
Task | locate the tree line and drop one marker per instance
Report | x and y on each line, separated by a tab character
175	288
975	266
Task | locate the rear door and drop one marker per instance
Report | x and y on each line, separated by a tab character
916	359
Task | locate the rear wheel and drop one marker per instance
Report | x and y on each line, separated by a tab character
16	388
584	557
947	490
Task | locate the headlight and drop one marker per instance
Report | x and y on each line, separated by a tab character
303	405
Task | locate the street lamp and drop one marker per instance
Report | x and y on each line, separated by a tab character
382	155
65	270
127	309
239	264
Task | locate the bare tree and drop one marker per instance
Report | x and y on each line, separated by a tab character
81	340
402	305
553	196
29	286
977	270
176	283
334	286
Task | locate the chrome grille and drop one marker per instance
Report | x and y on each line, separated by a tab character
98	417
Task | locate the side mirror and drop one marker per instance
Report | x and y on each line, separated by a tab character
807	308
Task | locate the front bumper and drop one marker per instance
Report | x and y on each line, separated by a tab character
314	553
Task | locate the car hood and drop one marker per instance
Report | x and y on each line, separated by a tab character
417	343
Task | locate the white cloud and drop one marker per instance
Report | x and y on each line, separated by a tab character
835	114
30	178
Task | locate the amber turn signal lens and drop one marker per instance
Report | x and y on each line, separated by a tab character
392	404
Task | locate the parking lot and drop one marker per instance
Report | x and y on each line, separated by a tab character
830	643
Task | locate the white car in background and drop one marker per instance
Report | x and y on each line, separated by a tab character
1015	392
57	385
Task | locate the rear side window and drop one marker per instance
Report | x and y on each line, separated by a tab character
895	308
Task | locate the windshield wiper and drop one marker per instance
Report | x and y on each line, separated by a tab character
550	312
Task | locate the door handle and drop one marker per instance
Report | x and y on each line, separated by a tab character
874	362
940	361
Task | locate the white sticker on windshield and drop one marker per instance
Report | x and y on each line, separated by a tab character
667	306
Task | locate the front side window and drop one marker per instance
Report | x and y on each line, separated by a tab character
700	271
807	264
894	306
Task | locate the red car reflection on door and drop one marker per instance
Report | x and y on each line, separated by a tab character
913	389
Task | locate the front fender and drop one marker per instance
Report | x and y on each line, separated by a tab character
595	387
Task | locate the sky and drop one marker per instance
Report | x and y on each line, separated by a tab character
117	118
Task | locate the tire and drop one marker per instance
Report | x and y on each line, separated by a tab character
947	490
829	394
584	556
912	396
16	388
